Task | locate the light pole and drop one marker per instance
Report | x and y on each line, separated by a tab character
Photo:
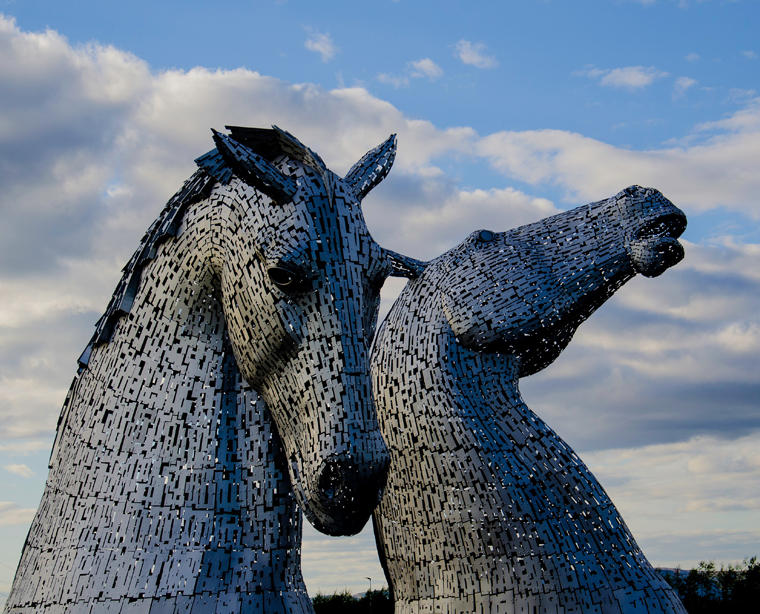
370	583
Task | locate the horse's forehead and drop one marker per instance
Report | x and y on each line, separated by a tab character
322	224
331	207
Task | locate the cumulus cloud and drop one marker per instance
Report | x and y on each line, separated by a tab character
428	221
22	470
104	184
394	80
352	561
737	94
666	492
12	513
425	68
322	44
719	171
665	359
630	77
472	53
24	447
682	84
414	70
750	55
692	57
744	121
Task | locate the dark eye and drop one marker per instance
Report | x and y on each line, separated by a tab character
484	236
282	278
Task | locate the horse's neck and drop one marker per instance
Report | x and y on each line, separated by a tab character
142	361
470	398
164	443
177	300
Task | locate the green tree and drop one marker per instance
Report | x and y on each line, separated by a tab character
746	593
372	602
376	602
732	589
338	603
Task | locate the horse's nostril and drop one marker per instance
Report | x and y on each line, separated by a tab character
669	225
330	480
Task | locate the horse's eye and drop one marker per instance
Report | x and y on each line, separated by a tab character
484	236
282	278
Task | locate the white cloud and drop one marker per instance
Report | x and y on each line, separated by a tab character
737	94
352	561
13	513
393	80
435	220
417	69
472	53
425	68
664	360
744	121
629	77
682	84
322	44
692	57
632	77
22	470
718	171
750	55
667	492
25	447
149	140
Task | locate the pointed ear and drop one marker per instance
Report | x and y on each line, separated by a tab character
294	148
214	164
372	168
255	170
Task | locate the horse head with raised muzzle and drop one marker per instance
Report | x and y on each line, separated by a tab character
486	508
524	292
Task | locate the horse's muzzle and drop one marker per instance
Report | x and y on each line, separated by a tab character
347	490
655	247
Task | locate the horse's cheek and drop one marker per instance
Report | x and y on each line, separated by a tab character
247	321
291	319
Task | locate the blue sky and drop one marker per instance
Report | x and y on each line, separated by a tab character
540	51
506	112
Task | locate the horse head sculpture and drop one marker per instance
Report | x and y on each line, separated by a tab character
300	281
535	285
486	508
231	362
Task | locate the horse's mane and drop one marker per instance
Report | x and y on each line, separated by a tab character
268	143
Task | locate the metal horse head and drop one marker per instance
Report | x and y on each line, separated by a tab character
486	508
525	291
300	280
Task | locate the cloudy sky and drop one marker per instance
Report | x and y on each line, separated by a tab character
506	112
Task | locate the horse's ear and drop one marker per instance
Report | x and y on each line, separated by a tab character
215	165
372	168
294	148
255	170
